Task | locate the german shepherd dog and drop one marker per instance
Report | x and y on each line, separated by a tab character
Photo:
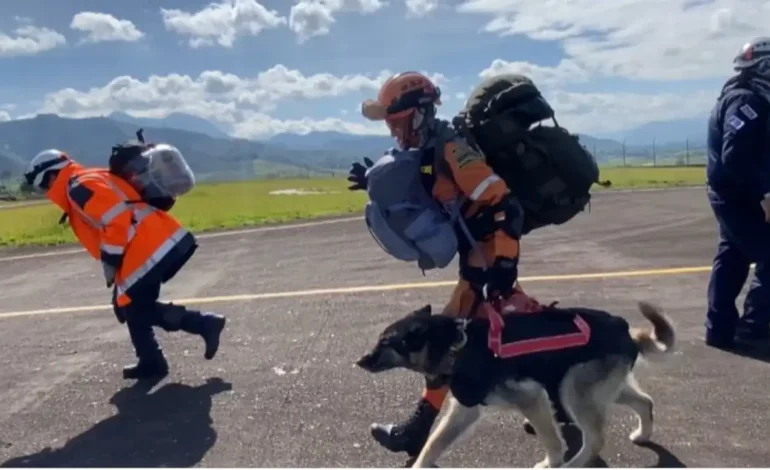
583	380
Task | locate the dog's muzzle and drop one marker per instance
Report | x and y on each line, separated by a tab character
373	362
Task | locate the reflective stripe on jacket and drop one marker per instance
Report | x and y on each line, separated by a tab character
113	225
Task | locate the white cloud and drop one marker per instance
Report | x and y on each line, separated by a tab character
595	112
566	71
635	39
105	27
310	18
221	23
610	112
421	7
4	116
224	97
662	40
29	40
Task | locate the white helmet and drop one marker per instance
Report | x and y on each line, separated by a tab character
44	163
754	54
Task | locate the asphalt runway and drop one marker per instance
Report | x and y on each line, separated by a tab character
283	391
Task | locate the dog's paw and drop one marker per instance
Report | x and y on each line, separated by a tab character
547	463
640	436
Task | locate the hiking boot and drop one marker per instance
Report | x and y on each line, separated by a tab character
207	325
146	369
212	330
409	436
752	333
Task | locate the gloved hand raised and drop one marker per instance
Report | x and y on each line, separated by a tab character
357	174
501	277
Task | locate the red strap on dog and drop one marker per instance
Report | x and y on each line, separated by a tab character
525	305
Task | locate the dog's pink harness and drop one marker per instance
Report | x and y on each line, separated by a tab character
521	304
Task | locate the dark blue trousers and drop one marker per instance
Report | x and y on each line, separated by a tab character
146	312
744	238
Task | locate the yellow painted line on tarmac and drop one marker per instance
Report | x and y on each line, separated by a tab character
373	288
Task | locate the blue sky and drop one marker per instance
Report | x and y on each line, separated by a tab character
626	64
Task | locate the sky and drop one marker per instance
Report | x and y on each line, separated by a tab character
262	67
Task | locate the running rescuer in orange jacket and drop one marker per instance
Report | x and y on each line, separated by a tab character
140	247
407	103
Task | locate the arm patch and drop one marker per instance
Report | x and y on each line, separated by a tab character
749	112
465	155
80	194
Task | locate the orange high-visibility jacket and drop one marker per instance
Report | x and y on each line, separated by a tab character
108	218
469	175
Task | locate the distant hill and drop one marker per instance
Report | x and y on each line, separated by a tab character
90	140
179	121
369	145
666	133
215	155
605	149
10	163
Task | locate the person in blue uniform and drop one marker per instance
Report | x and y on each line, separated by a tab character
738	177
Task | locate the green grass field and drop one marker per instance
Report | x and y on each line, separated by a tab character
231	205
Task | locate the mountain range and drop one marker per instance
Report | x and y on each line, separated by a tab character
214	155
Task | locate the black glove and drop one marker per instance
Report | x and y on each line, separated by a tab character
501	277
357	174
109	273
118	311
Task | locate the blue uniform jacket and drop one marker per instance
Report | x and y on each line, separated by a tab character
738	167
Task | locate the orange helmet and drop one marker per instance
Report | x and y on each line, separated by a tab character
407	103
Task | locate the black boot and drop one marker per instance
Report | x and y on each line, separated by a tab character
212	330
748	332
208	325
147	369
152	362
409	436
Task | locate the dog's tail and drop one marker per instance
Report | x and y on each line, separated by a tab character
659	339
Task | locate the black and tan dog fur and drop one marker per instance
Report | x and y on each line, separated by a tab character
584	380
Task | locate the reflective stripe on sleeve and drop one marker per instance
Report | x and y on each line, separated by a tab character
483	186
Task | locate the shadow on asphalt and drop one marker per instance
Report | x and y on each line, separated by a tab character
168	428
574	440
665	458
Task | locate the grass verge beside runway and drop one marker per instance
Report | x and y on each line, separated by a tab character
654	177
241	204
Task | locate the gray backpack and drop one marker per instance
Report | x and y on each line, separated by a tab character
403	217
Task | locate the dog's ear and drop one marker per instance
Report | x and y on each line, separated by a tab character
416	336
423	312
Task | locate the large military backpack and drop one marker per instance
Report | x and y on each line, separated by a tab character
546	167
158	172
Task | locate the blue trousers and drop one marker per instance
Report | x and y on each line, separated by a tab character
744	238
